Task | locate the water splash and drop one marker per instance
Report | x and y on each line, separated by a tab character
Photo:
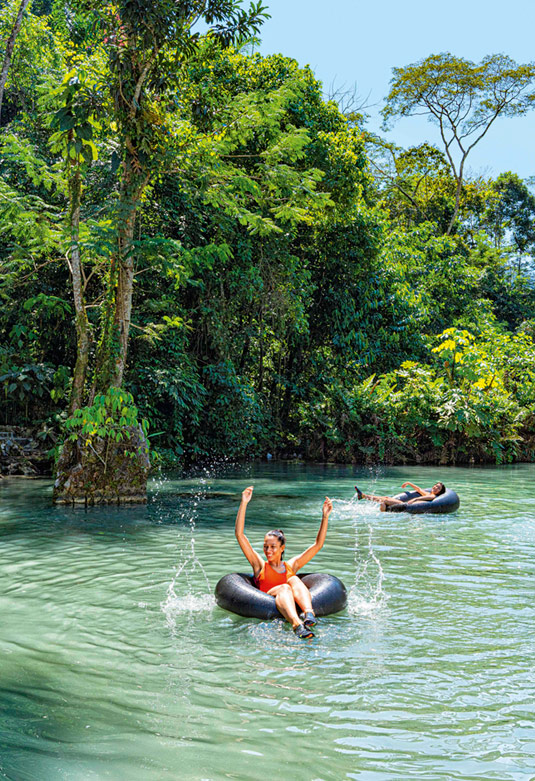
175	606
184	595
366	595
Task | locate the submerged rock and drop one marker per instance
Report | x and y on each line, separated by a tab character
103	471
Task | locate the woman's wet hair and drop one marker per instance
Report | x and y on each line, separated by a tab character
442	488
279	534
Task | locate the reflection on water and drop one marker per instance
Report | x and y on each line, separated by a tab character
117	664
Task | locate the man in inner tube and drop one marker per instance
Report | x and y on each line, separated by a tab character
387	504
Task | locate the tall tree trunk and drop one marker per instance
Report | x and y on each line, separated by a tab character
456	208
294	357
458	191
260	380
106	342
81	321
109	471
123	297
10	45
244	353
112	349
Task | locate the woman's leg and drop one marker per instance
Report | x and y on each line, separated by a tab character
373	498
301	594
284	599
389	501
384	501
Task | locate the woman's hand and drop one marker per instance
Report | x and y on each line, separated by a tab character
246	495
404	485
327	507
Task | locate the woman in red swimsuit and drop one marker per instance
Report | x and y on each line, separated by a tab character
279	578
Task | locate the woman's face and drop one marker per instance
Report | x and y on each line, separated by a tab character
436	488
273	548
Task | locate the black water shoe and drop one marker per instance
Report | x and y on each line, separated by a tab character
302	632
310	620
360	495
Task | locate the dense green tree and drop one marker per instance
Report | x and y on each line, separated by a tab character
10	45
30	51
146	44
270	306
511	213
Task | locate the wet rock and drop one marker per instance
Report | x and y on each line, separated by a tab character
24	452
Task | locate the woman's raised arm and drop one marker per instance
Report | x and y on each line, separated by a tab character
250	554
299	561
416	488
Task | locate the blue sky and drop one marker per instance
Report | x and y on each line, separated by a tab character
348	41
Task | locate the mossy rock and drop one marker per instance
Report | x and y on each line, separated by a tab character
103	472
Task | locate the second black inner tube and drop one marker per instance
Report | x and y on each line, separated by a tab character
447	502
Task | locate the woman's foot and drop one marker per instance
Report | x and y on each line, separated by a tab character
360	495
303	632
310	620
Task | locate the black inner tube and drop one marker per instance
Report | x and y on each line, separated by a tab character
237	592
447	502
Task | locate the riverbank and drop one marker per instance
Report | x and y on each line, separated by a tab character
24	452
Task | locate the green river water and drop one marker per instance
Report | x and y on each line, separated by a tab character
116	663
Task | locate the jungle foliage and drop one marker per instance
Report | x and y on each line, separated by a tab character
197	226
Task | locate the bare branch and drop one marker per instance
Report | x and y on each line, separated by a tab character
348	98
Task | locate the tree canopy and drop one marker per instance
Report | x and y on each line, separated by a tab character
462	98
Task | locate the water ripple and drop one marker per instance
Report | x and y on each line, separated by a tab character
116	662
